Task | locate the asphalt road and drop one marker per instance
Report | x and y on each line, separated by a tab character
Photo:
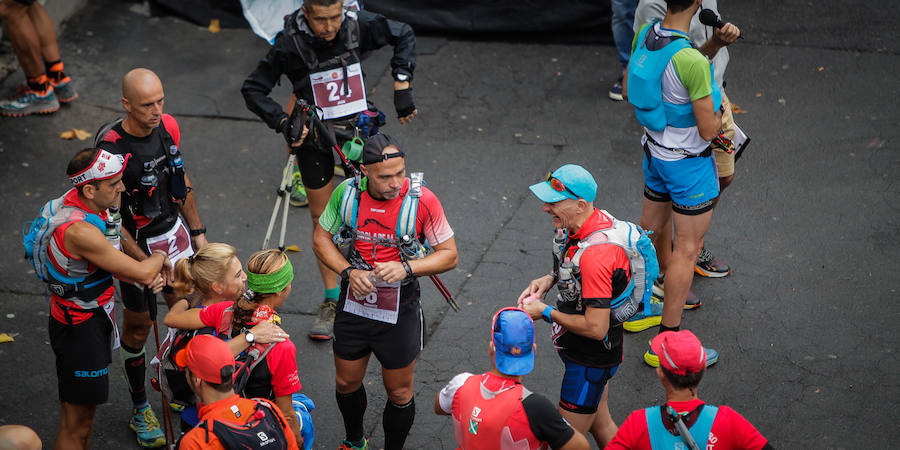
806	325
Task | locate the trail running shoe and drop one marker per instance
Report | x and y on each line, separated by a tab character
298	192
615	92
30	102
710	266
640	322
324	325
691	302
652	360
146	425
65	93
347	445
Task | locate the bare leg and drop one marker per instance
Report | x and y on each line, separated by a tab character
46	32
604	428
657	217
318	199
689	231
76	423
23	36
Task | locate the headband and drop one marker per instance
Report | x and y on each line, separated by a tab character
104	166
271	283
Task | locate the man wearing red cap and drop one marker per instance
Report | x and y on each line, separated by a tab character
79	264
493	410
685	421
227	420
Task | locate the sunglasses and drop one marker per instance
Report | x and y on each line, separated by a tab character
558	186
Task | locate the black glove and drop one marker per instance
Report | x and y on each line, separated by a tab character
403	102
292	128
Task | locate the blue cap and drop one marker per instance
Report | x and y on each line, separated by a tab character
513	341
575	179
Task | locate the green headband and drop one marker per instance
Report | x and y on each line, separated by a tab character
271	283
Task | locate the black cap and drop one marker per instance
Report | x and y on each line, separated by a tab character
372	151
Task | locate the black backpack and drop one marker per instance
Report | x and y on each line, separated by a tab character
264	428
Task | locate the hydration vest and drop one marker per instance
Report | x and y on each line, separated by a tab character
661	439
248	359
307	52
484	416
642	263
645	70
263	429
75	280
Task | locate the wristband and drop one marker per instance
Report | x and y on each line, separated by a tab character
547	312
409	272
161	252
198	231
345	274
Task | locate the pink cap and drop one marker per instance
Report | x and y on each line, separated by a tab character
679	352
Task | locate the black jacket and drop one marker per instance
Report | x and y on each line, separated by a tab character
283	59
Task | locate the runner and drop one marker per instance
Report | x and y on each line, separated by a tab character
494	410
321	43
158	212
379	310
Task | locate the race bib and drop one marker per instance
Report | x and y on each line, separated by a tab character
176	242
330	94
381	305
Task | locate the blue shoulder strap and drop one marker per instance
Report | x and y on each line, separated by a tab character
660	438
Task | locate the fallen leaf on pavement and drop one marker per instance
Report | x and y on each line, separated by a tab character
7	337
74	133
292	248
214	26
735	109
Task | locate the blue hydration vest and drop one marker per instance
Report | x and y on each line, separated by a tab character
660	438
645	71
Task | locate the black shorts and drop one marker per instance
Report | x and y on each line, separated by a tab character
395	346
317	162
134	298
83	353
26	2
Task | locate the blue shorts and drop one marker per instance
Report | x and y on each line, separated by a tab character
691	184
583	386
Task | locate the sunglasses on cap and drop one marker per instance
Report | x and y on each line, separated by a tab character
558	185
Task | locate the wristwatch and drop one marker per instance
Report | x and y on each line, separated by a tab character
546	314
250	338
401	77
345	274
198	231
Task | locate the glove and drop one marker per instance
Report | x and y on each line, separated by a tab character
292	128
403	102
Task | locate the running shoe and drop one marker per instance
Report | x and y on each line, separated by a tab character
710	266
640	322
30	102
347	445
652	360
65	93
615	92
146	425
322	329
176	406
298	192
691	302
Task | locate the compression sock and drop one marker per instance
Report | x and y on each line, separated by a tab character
39	83
353	407
665	328
397	421
135	366
55	71
333	293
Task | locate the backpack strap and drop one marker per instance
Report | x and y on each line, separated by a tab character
350	203
101	132
406	221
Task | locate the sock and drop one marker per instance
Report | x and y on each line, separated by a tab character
397	420
135	366
353	407
55	70
333	293
665	328
39	83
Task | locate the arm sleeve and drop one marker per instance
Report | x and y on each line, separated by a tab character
601	266
283	366
545	421
431	220
331	220
447	393
692	69
259	84
378	31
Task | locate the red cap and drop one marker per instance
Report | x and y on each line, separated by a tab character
208	357
679	352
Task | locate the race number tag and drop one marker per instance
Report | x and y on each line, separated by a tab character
330	94
381	305
176	242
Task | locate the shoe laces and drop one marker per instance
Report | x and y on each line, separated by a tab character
705	256
150	420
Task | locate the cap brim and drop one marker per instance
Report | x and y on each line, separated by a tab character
181	358
521	365
547	194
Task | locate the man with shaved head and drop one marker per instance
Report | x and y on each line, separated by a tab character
158	212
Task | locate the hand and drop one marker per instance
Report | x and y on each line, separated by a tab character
157	284
534	307
390	271
199	241
537	288
286	132
727	34
266	332
360	283
403	102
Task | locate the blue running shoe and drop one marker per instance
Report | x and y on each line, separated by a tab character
29	102
146	425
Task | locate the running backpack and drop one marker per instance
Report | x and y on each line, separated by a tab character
263	429
641	259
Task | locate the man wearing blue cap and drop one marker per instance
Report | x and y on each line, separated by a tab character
493	410
589	273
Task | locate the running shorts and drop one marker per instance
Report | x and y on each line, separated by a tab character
583	386
691	184
83	353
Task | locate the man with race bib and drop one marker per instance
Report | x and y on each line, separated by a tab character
383	222
158	214
319	52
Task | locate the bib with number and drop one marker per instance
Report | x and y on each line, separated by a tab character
336	98
382	304
176	242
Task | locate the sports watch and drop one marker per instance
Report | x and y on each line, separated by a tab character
250	338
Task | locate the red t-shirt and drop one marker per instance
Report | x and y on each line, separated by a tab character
729	430
281	360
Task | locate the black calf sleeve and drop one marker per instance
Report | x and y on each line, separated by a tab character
135	366
353	407
397	421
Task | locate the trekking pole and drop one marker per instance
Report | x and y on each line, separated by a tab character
444	291
168	430
282	193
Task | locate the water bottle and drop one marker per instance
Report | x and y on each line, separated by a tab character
113	221
567	283
559	243
410	248
149	182
177	186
